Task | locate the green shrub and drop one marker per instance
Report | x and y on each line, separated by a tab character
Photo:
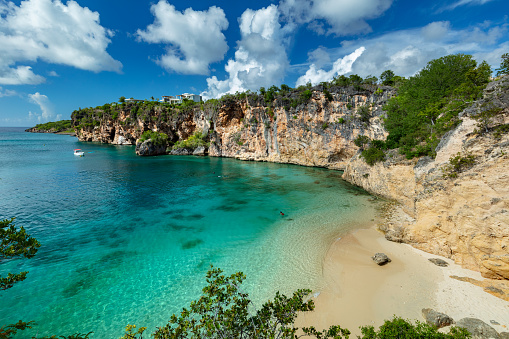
306	95
328	96
361	140
325	125
224	311
372	155
194	141
400	328
364	114
158	138
458	164
341	121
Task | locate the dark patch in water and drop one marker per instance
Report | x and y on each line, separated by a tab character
191	244
177	227
77	286
175	211
238	202
266	220
228	208
196	216
316	182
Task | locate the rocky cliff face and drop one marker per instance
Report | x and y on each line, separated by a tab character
319	132
460	214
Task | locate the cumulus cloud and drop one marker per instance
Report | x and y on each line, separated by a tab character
47	109
343	17
21	75
53	32
194	38
406	52
260	58
314	75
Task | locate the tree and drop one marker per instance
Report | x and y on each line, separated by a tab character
285	88
223	312
370	80
15	243
428	103
387	78
504	65
121	99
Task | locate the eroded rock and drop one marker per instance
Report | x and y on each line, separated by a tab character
436	319
478	328
381	259
439	262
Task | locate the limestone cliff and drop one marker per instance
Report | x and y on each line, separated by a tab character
317	132
462	215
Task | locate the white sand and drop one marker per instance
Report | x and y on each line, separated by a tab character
358	292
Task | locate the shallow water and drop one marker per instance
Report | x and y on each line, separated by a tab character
128	239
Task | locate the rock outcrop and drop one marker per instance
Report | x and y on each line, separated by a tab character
147	147
464	216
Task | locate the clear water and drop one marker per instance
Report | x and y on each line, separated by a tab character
128	240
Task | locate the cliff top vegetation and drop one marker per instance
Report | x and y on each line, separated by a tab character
54	127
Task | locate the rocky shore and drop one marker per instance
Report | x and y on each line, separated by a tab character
461	214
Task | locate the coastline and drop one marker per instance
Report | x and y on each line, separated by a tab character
357	292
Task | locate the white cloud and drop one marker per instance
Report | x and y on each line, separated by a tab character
339	67
343	17
47	109
260	59
194	38
406	52
463	3
53	74
435	30
7	93
53	32
21	75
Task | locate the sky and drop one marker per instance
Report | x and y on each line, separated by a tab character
59	56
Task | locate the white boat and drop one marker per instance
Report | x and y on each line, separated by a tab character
79	152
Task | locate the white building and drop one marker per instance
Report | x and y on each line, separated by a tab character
180	98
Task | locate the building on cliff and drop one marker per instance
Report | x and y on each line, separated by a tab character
180	98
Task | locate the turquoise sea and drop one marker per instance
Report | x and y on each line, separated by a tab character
128	240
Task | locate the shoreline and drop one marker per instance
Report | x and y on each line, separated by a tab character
357	292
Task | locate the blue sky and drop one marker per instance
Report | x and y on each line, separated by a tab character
57	56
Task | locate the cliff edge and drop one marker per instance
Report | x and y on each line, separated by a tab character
459	201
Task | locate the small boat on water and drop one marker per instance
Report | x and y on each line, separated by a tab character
79	152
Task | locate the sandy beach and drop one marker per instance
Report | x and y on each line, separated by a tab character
358	292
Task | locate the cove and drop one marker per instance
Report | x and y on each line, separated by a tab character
128	240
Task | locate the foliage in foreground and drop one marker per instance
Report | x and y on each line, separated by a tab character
223	312
401	328
15	243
